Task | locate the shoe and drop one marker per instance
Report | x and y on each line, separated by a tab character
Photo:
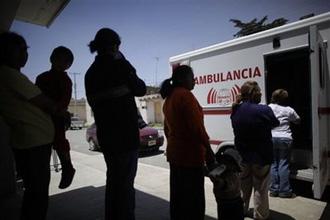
273	194
67	177
287	195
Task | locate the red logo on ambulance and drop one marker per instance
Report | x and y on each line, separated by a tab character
223	97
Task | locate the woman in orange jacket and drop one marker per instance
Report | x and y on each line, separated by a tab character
188	145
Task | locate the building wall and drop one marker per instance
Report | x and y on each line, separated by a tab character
150	107
150	111
89	115
78	108
142	106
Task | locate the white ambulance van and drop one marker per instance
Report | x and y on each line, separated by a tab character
294	57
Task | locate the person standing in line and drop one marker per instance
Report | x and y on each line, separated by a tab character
57	86
111	84
27	112
187	145
252	123
282	140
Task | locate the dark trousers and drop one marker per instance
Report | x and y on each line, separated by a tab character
120	192
230	209
187	196
33	165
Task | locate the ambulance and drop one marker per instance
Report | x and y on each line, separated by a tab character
294	57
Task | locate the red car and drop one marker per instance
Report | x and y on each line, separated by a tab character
150	139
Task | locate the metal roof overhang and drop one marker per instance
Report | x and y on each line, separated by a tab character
40	12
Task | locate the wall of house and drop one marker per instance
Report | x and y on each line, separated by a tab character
78	108
142	107
89	115
150	111
151	108
159	116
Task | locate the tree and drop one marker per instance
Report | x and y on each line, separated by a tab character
255	26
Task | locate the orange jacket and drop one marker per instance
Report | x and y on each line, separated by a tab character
184	129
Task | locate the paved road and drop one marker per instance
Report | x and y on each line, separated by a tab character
78	143
158	159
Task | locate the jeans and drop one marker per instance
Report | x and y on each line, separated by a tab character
120	192
34	166
280	172
187	196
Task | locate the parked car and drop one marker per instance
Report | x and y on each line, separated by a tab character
150	139
76	123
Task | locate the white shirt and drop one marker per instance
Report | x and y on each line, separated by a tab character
285	115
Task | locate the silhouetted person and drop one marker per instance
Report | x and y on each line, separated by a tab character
252	124
187	145
24	108
111	84
57	86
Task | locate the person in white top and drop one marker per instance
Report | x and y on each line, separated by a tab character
282	140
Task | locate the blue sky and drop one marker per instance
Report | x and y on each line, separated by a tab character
150	30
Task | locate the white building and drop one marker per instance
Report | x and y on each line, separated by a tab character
150	107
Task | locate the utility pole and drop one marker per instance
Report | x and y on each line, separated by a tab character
156	72
75	92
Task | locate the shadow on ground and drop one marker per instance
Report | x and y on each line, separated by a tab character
146	153
273	214
88	203
278	215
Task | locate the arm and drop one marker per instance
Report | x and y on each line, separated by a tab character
21	85
136	85
65	91
294	117
47	104
193	115
64	102
165	128
274	122
44	103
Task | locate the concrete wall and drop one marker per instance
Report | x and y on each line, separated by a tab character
151	108
78	108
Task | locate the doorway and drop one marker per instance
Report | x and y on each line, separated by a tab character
290	71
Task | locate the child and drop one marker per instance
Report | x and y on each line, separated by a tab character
227	189
282	140
57	85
